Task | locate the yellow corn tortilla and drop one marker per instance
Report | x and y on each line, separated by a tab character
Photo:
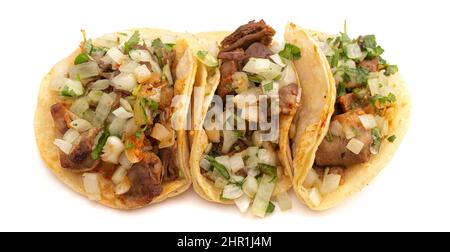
209	83
310	136
46	133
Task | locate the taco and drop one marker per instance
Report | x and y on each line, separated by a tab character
249	166
368	120
109	120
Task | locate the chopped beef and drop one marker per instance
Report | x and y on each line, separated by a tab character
80	160
248	34
371	65
61	117
227	69
289	99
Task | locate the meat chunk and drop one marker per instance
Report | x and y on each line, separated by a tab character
227	69
61	117
80	160
169	158
351	102
289	99
236	55
258	50
166	97
335	152
371	65
248	34
146	181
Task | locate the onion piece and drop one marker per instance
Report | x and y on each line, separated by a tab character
253	172
167	74
74	86
240	82
225	161
353	51
129	66
251	154
288	76
204	164
92	186
213	135
102	110
262	197
368	121
355	146
100	85
71	135
277	59
123	187
336	128
263	67
125	81
267	157
142	74
220	182
120	174
250	186
243	203
236	163
284	201
315	197
112	150
126	105
229	139
80	125
117	126
232	192
349	133
330	183
122	113
94	97
64	146
140	55
312	179
161	133
84	70
116	55
383	125
80	106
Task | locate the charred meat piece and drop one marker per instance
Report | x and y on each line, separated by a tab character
80	160
335	152
371	65
289	99
351	102
166	96
227	69
248	34
146	179
258	50
61	117
236	55
169	161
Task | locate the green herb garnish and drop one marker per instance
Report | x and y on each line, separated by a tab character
267	169
255	78
129	146
99	147
370	46
392	138
341	90
329	137
376	136
391	69
290	52
270	208
133	41
268	87
81	58
240	134
218	166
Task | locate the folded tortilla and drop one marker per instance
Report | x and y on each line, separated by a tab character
311	133
46	133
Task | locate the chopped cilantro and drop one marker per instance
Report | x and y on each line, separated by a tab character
376	136
370	46
270	208
218	166
81	58
267	169
133	41
391	69
290	52
268	87
99	147
66	92
392	138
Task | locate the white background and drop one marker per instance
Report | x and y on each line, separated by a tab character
412	193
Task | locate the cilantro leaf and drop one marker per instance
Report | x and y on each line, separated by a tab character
392	138
290	52
81	58
371	47
267	169
218	166
391	69
67	92
270	208
268	87
99	147
133	41
376	136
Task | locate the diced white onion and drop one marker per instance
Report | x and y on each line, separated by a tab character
102	110
349	132
112	150
140	55
262	197
368	121
130	127
116	55
125	81
129	66
94	96
326	49
229	139
243	203
263	67
80	106
250	186
232	192
80	125
142	74
355	146
225	161
288	76
252	157
336	128
315	197
277	59
161	133
240	82
330	183
123	161
100	85
236	163
167	73
267	157
353	51
312	179
253	172
284	201
92	186
84	70
119	174
205	165
155	66
117	126
220	182
383	125
122	113
123	187
71	135
126	105
64	146
74	86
